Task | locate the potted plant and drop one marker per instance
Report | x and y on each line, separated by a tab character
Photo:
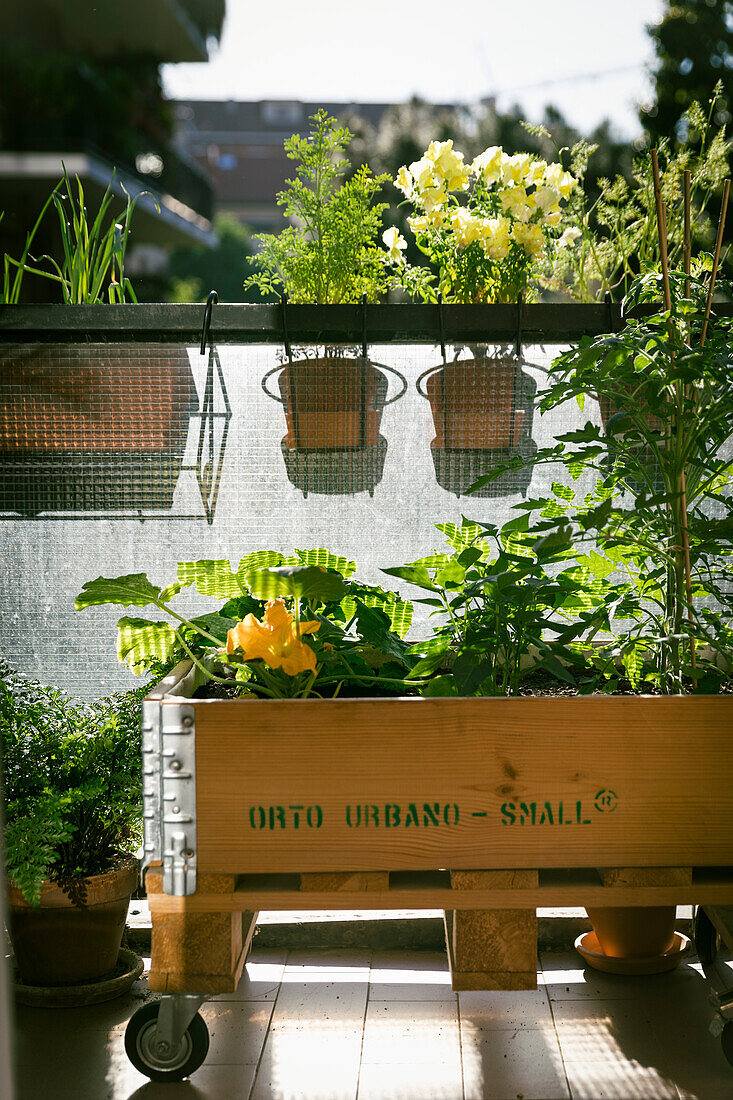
93	425
329	254
488	227
73	814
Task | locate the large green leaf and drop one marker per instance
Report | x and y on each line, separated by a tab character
134	588
308	582
210	577
139	640
415	574
215	624
326	560
398	611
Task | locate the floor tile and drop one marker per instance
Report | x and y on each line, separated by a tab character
566	977
618	1079
317	1063
237	1031
411	1032
341	1003
502	1064
410	1082
491	1009
410	976
260	979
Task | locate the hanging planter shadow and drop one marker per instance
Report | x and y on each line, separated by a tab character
333	412
93	427
483	413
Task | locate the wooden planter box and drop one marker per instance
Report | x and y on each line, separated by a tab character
389	803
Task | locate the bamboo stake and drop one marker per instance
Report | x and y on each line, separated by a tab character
661	229
687	260
716	260
687	252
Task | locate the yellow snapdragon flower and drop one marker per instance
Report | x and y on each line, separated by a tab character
569	237
496	241
514	201
561	180
395	244
467	227
553	219
535	173
419	224
515	169
547	199
422	171
529	237
488	165
405	181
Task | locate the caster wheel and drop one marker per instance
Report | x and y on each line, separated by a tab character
726	1040
167	1065
706	937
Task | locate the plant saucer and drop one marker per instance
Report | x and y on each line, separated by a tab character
588	947
128	969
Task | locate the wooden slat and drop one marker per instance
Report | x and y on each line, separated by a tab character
492	948
708	887
335	881
324	785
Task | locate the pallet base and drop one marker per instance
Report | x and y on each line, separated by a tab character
433	890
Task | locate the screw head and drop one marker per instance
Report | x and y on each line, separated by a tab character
175	809
187	721
162	1048
175	765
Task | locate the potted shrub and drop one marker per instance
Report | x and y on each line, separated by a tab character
73	815
329	254
91	426
488	227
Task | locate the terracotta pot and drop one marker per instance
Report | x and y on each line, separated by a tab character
332	403
94	399
634	932
60	943
476	404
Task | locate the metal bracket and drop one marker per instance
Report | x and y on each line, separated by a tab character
169	793
723	1003
176	1012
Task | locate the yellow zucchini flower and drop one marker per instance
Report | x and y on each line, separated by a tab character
274	640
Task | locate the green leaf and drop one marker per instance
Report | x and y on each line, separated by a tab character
134	588
216	624
374	628
308	582
210	577
140	640
326	560
415	574
260	559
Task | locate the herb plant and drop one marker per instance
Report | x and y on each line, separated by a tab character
289	627
496	594
71	777
92	265
330	252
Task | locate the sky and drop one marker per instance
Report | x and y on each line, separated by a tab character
591	59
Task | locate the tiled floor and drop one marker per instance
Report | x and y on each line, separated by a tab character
354	1025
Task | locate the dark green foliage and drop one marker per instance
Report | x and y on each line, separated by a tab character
693	43
71	777
496	594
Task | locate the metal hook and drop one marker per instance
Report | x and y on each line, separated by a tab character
441	322
208	310
286	336
364	326
520	304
